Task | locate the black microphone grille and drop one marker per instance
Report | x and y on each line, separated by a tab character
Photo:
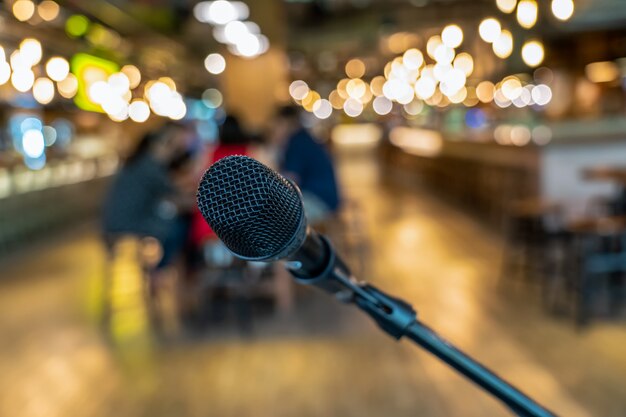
254	210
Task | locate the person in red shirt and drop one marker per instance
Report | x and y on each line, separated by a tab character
232	141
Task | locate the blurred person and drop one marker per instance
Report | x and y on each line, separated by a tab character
233	140
143	199
306	161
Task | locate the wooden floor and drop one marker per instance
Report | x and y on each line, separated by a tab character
323	360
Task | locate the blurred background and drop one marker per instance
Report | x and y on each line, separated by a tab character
468	156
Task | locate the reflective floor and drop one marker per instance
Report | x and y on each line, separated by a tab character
322	360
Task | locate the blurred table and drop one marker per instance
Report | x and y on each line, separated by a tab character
605	173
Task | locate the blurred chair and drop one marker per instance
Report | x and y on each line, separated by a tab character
531	233
599	251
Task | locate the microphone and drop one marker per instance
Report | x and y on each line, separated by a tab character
259	216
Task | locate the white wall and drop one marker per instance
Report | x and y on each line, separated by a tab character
562	177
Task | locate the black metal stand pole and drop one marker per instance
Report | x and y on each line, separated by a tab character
399	319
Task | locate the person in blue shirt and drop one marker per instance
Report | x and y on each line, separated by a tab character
307	162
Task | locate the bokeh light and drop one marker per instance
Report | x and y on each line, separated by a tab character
23	10
22	79
298	89
533	53
489	29
485	91
33	143
48	10
133	74
506	6
43	90
355	68
322	109
413	59
215	63
57	68
77	25
465	63
30	51
68	87
503	46
382	105
212	98
452	36
562	9
527	13
139	111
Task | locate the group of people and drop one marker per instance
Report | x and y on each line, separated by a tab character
153	194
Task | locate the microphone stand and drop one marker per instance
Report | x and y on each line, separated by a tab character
397	318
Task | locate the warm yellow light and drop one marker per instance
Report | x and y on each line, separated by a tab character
459	96
444	54
30	51
506	6
5	72
310	100
414	108
489	29
342	88
452	36
425	88
532	53
215	63
465	63
298	89
355	68
98	92
432	44
22	79
336	100
562	9
398	90
57	68
602	72
169	82
527	13
376	85
133	74
413	59
43	90
440	71
503	46
511	88
158	91
119	83
23	10
68	87
139	111
485	91
453	81
48	10
356	88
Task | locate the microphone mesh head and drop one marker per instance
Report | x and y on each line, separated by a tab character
254	210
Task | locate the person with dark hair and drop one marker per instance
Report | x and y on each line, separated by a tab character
143	200
307	162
